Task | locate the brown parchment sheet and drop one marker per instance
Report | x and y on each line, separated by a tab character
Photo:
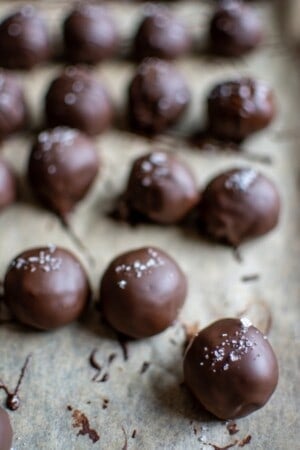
153	403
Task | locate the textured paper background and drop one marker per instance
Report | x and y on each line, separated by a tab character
163	414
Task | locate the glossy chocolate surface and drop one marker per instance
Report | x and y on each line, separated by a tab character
90	34
240	107
46	287
62	167
77	100
161	187
239	204
231	368
158	97
142	292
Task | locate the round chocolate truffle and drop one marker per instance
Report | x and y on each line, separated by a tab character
6	433
90	34
161	187
239	108
231	368
235	29
8	185
239	204
142	292
13	110
77	100
161	35
24	40
62	167
158	96
46	287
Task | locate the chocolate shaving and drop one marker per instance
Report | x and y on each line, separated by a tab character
145	367
12	398
133	434
123	341
81	421
111	357
125	446
104	378
94	363
232	428
252	277
245	441
217	447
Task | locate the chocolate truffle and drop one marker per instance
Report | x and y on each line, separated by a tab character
90	34
235	29
239	204
6	433
77	100
24	40
161	187
161	35
231	368
62	167
46	287
13	110
158	96
8	185
239	108
142	292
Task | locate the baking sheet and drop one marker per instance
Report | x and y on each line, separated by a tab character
154	403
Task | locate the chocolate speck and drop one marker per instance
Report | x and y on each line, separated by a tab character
94	363
232	428
111	357
105	403
251	277
145	367
13	399
245	441
123	341
81	421
133	434
104	378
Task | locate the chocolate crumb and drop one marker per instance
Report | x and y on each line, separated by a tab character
252	277
245	441
217	447
94	363
133	434
145	367
104	378
69	408
81	421
111	357
105	403
12	398
232	428
125	446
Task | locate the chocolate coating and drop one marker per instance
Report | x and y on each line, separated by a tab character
6	433
24	40
231	368
239	108
158	96
8	185
62	167
161	187
46	287
142	292
161	34
13	109
235	29
75	99
90	34
239	204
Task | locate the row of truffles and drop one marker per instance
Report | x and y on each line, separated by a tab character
158	96
235	206
229	366
90	35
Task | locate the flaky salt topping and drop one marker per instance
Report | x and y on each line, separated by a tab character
241	180
154	167
59	135
138	268
231	350
44	261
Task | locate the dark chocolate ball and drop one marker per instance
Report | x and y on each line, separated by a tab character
142	292
161	34
158	96
239	108
8	185
24	40
77	100
235	29
161	187
239	204
6	432
13	109
231	368
46	287
90	34
63	164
